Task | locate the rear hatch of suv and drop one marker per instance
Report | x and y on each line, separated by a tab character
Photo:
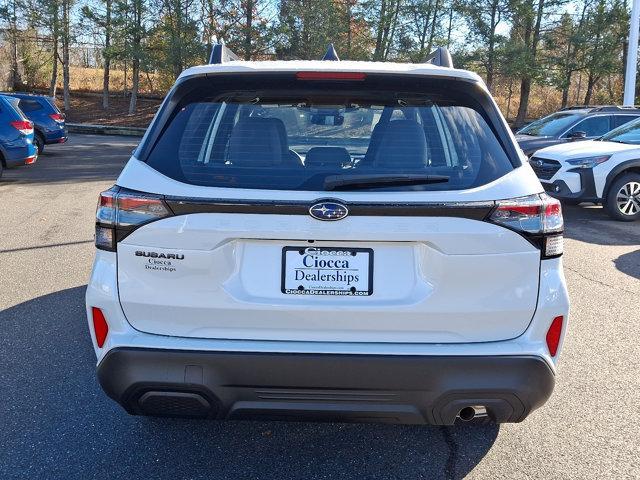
315	207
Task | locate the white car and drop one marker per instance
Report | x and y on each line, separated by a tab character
606	170
328	240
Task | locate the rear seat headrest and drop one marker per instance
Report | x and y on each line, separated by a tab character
327	157
402	144
257	142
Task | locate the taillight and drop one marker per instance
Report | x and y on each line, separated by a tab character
121	211
57	117
100	326
553	335
24	126
536	217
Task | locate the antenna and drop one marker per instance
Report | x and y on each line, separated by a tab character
331	54
440	57
220	53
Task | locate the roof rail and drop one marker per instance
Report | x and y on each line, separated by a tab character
600	108
220	53
576	107
614	108
331	54
440	57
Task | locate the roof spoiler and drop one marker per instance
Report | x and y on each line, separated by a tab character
440	57
221	54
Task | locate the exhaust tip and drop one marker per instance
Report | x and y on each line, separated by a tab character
469	413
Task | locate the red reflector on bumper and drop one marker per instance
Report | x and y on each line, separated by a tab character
100	326
30	160
553	335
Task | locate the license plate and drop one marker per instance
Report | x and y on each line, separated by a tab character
327	271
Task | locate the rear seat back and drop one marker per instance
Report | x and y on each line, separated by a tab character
402	145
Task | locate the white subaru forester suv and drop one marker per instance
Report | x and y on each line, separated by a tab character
606	171
340	241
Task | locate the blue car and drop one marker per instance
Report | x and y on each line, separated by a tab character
48	121
16	135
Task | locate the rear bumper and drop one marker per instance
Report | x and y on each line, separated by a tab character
21	156
56	135
14	162
296	386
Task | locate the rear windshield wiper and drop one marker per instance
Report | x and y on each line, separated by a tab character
349	182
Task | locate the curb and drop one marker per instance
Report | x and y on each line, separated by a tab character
105	129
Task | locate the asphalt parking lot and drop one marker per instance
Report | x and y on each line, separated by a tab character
55	422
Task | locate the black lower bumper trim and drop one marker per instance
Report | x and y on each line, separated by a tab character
371	388
64	139
11	163
587	193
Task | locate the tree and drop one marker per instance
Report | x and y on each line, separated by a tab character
384	16
53	9
516	45
306	27
248	30
565	44
102	22
420	26
351	32
66	42
173	40
43	17
136	32
10	11
106	53
483	18
526	17
603	39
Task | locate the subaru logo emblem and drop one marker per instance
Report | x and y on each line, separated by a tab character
328	211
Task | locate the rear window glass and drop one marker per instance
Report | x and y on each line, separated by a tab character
30	105
15	104
622	119
552	125
313	138
628	133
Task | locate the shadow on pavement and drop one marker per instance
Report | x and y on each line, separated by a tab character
629	263
47	245
83	158
591	224
57	423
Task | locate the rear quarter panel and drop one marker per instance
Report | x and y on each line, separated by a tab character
14	146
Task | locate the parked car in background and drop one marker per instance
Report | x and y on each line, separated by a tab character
328	240
604	171
48	121
571	124
16	135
